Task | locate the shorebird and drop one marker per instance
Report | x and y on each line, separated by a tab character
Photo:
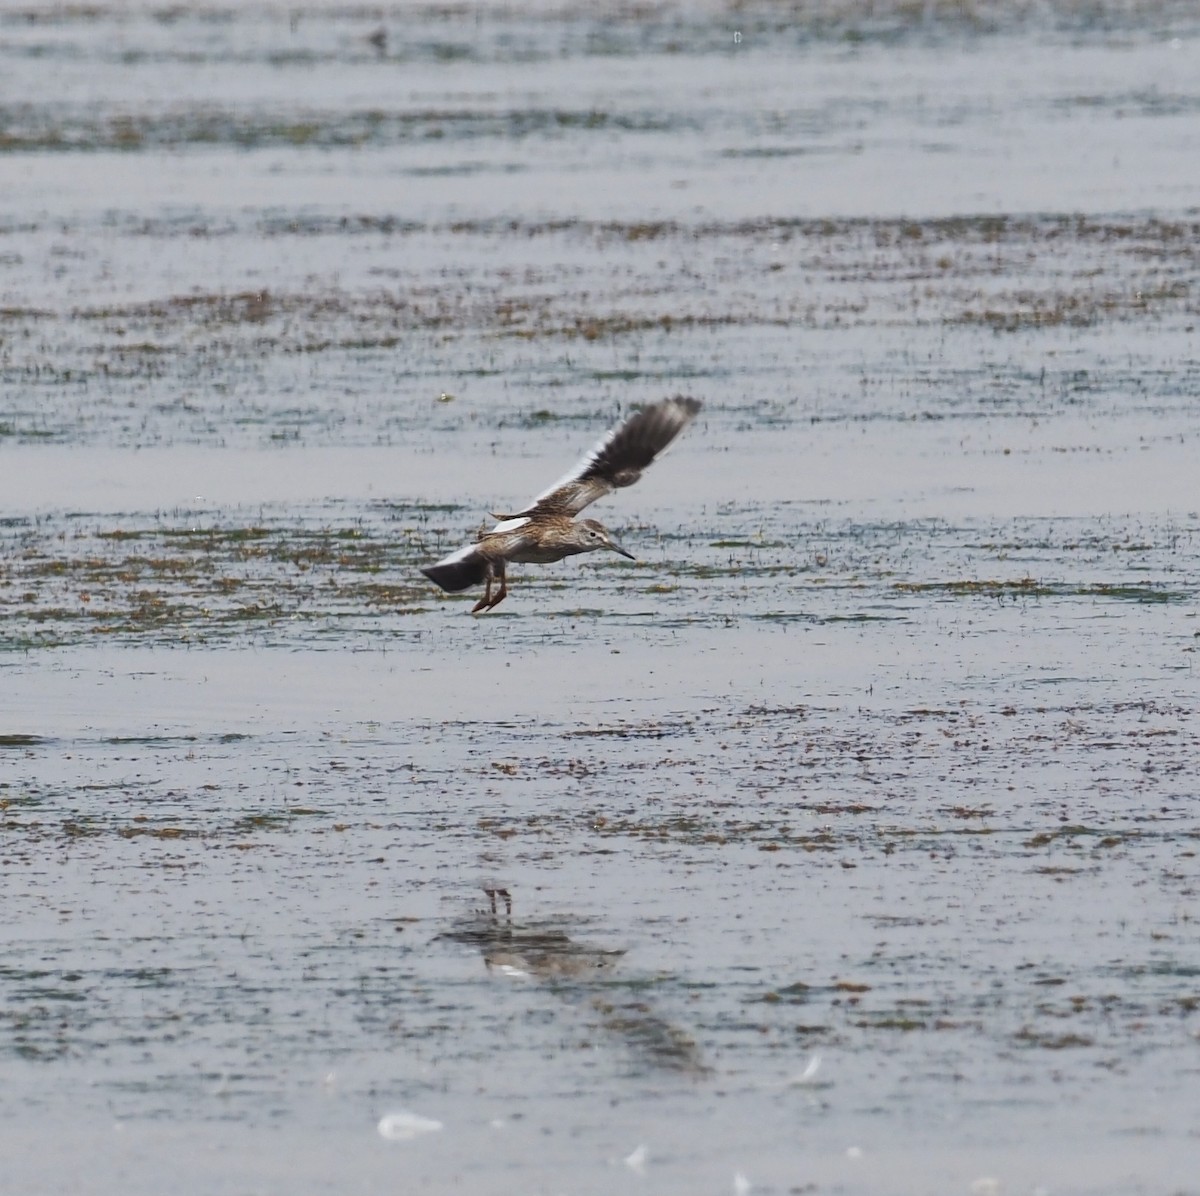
546	530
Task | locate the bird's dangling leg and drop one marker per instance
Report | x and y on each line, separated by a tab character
486	600
503	593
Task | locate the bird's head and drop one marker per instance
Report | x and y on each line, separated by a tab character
594	536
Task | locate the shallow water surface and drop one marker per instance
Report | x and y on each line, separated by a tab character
844	842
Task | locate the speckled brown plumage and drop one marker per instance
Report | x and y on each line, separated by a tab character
546	529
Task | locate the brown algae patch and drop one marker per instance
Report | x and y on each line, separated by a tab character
1028	587
75	580
238	366
334	570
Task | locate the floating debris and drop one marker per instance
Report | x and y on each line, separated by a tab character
403	1126
636	1160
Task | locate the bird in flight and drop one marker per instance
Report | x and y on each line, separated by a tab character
546	530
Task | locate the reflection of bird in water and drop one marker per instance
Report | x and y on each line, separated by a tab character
546	530
549	955
572	970
542	952
493	893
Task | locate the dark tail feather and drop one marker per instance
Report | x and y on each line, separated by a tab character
459	571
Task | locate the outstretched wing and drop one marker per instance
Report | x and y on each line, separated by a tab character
618	460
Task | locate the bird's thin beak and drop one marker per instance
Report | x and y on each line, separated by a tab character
623	551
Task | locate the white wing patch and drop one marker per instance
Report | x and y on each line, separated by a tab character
456	557
510	525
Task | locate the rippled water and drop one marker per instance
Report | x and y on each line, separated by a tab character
845	842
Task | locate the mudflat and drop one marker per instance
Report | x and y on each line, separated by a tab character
844	842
